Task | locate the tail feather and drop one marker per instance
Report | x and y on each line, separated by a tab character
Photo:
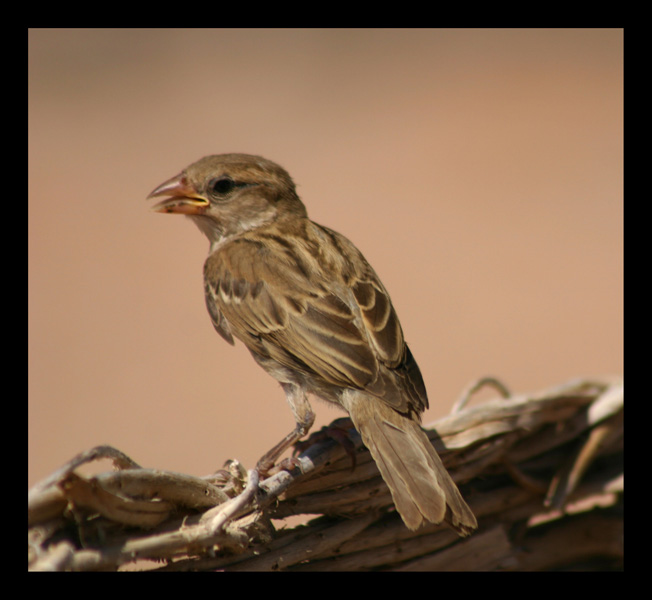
421	487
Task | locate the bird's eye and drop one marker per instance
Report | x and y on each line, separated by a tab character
221	186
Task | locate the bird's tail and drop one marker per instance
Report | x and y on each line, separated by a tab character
421	487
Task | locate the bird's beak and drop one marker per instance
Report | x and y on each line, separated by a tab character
181	199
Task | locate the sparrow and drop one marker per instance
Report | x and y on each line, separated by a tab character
314	314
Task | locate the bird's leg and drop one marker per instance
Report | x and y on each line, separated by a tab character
304	418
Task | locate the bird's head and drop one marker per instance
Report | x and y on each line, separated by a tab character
228	194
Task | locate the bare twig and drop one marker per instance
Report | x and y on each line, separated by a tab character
540	470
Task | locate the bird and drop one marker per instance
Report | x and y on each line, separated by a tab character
314	314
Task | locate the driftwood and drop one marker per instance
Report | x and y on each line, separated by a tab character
542	472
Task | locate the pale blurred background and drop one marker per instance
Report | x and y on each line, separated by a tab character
480	171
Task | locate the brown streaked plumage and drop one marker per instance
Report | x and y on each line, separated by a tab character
314	314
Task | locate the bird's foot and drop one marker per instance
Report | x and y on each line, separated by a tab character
338	431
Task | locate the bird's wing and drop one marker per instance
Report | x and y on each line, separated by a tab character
283	306
219	322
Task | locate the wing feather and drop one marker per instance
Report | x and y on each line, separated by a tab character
301	308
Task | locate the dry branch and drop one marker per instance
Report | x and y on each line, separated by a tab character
542	472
